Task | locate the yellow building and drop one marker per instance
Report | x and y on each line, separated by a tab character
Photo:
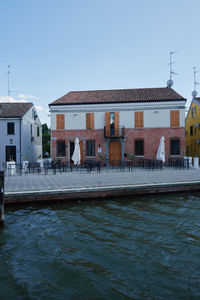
192	129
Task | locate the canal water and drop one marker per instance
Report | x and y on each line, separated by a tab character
137	248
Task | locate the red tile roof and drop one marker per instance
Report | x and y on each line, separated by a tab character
119	96
14	109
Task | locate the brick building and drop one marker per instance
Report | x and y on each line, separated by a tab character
113	124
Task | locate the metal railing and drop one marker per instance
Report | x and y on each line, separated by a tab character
114	132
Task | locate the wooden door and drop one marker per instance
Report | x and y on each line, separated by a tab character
114	153
81	150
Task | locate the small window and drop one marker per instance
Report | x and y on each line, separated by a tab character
10	128
192	112
187	149
191	130
174	147
90	148
139	147
195	110
31	130
38	131
60	148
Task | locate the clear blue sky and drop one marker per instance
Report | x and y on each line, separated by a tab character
56	46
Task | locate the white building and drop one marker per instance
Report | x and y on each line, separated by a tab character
20	133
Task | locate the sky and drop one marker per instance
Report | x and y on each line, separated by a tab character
57	46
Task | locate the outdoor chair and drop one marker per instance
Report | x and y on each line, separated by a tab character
34	168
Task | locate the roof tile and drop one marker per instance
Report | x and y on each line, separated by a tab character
118	96
14	109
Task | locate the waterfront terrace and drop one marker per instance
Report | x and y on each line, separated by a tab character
33	188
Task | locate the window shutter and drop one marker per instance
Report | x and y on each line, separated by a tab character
60	121
87	121
91	120
174	118
116	124
139	119
107	123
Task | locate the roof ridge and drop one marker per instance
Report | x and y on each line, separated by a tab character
122	89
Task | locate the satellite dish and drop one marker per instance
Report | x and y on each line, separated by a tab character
194	94
170	82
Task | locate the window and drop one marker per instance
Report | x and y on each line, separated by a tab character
31	129
191	130
174	147
10	128
139	147
90	120
139	119
187	149
60	121
90	148
174	118
195	110
60	148
38	131
192	112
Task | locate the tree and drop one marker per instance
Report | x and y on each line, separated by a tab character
45	140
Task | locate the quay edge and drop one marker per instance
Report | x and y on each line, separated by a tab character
69	194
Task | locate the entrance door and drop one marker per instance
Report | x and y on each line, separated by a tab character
10	153
114	153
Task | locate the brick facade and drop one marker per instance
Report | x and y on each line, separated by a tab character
151	137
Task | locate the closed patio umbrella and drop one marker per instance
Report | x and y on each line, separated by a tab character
161	150
76	157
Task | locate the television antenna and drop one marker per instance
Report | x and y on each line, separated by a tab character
194	93
9	90
171	72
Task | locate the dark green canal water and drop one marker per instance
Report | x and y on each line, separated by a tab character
140	248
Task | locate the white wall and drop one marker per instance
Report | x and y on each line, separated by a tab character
156	115
5	139
31	150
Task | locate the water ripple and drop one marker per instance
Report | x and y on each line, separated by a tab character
135	248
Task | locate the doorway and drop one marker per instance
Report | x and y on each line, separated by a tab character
11	153
114	153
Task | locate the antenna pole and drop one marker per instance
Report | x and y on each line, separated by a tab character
170	81
194	93
170	66
8	80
